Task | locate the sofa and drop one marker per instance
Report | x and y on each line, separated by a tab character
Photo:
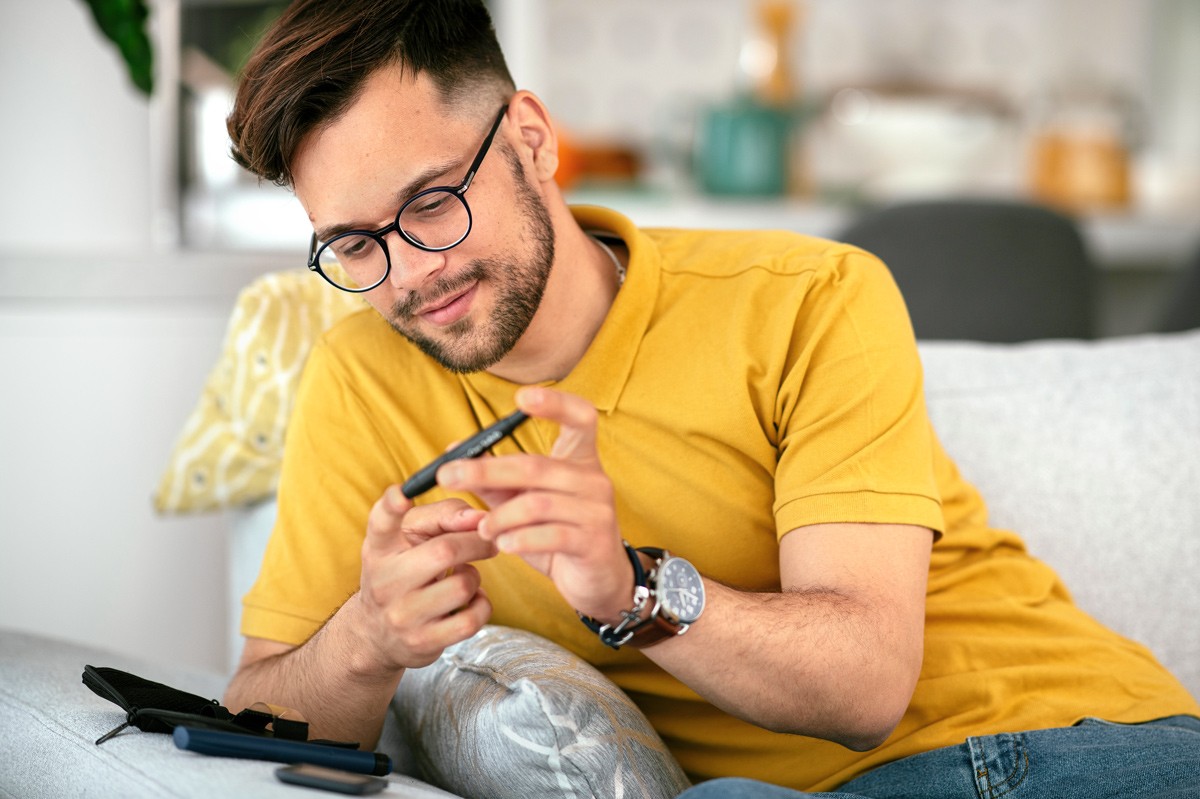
1090	450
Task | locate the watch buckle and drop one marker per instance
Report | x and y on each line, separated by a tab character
617	635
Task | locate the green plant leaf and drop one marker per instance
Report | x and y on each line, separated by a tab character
124	23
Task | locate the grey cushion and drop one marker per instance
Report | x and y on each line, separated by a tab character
1091	452
508	713
49	723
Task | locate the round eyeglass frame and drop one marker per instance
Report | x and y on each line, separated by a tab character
316	248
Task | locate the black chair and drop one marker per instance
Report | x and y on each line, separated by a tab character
984	270
1182	308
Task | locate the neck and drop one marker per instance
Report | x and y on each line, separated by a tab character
579	292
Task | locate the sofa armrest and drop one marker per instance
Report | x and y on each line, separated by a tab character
249	530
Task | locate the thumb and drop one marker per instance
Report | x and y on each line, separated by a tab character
385	519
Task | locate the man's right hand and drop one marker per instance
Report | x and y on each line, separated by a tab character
417	595
418	592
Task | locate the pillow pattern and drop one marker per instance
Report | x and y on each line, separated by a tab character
508	713
231	445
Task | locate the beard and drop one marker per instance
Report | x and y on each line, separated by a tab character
519	283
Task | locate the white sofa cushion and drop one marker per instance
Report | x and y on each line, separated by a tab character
1090	451
49	723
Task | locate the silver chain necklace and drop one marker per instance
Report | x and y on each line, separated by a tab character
620	267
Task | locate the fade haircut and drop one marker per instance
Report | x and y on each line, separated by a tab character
312	64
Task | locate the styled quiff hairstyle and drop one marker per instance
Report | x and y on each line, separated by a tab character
312	64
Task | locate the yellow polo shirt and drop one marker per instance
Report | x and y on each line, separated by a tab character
748	384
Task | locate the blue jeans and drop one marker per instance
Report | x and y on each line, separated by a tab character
1159	759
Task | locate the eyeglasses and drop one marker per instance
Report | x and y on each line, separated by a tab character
434	220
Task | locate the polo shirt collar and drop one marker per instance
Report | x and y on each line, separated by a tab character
602	372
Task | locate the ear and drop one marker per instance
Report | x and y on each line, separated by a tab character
535	131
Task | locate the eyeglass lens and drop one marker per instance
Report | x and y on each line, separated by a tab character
436	219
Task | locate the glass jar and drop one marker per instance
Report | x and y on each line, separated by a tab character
1082	147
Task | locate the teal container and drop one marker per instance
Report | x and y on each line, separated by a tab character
743	148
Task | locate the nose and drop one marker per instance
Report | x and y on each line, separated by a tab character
412	267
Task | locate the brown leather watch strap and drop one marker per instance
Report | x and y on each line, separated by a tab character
632	630
655	628
652	631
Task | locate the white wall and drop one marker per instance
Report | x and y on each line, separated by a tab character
93	395
104	345
74	138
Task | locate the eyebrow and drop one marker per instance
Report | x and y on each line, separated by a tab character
400	197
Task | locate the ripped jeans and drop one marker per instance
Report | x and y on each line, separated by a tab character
1159	759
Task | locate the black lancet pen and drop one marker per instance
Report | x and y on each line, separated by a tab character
473	447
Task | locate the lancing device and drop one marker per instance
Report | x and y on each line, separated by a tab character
473	447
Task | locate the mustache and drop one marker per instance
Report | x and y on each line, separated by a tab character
406	308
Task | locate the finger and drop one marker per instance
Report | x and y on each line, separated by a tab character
386	519
547	508
446	594
576	419
461	623
432	560
404	585
394	522
489	498
425	642
541	539
467	518
494	499
512	473
409	609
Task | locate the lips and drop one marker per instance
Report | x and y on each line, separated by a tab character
449	309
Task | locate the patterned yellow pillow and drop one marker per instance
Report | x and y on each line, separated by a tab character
230	448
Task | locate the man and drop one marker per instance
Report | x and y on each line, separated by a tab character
750	402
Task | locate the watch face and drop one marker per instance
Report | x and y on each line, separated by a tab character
680	590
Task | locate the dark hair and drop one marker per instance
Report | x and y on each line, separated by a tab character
312	64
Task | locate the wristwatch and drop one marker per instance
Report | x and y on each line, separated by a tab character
673	588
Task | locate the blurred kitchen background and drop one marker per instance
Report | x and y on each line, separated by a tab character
788	114
126	231
812	107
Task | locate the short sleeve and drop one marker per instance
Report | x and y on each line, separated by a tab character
855	442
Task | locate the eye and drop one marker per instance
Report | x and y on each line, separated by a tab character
352	247
430	204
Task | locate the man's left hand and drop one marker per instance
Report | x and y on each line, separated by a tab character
556	512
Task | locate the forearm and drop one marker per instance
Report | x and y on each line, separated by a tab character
341	694
815	662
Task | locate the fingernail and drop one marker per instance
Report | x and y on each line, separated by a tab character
505	543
